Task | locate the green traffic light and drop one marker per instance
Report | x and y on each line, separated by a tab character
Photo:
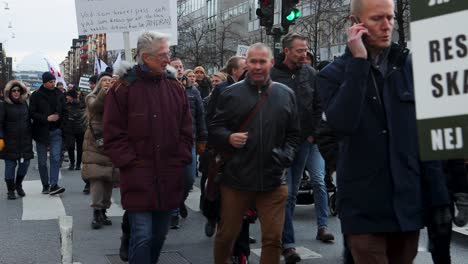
295	13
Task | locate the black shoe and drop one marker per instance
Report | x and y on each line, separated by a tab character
71	167
19	185
11	189
105	220
86	188
183	211
11	195
252	240
123	250
174	222
290	256
45	189
210	228
77	167
97	219
56	190
324	236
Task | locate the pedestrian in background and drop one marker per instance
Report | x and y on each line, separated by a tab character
256	121
384	189
97	166
74	129
15	136
47	113
203	82
217	78
200	135
151	155
301	78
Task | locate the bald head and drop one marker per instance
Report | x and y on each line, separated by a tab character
356	7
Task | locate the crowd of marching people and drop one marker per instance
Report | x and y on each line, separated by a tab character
251	132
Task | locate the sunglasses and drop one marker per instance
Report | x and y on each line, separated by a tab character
15	90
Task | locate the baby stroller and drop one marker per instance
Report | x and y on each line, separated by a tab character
305	195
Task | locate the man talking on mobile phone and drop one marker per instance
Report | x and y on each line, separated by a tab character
384	188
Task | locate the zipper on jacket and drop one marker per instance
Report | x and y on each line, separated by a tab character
261	142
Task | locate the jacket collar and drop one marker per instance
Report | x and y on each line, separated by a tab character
396	55
251	85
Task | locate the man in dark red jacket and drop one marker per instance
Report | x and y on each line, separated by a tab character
148	135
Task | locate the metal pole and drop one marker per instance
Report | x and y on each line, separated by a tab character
128	50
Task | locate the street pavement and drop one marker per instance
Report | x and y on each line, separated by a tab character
29	231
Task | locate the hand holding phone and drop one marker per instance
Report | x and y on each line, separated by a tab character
356	38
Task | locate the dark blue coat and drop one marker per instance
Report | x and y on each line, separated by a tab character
382	185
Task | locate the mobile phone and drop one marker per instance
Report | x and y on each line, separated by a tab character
355	20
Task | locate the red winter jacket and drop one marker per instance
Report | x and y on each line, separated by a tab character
148	135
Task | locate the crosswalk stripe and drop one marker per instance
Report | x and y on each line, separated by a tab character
37	206
193	199
305	253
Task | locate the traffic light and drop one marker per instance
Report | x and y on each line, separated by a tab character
289	13
266	13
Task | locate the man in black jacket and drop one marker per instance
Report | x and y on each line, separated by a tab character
259	154
301	79
47	113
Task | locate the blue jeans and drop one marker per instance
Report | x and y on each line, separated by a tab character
10	168
189	178
148	231
55	143
308	156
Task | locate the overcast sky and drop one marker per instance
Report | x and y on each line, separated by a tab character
41	28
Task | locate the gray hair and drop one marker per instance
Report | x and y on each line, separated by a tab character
146	42
260	46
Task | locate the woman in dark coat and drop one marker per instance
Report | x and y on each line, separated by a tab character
15	136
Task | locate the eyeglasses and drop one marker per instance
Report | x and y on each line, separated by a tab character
161	56
15	90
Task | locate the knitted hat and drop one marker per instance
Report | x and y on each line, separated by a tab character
199	69
93	79
72	93
104	74
47	76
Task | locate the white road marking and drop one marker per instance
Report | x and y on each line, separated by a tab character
422	249
193	199
305	253
38	206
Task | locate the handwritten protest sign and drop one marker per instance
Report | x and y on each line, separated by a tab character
106	16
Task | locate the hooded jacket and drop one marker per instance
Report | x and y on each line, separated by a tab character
149	137
96	164
15	124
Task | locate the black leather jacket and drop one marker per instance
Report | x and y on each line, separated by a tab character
275	126
304	84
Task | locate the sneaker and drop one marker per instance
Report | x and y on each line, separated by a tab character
174	222
183	211
324	236
290	256
56	190
45	189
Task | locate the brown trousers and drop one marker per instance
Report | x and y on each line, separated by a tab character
270	209
101	192
384	248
